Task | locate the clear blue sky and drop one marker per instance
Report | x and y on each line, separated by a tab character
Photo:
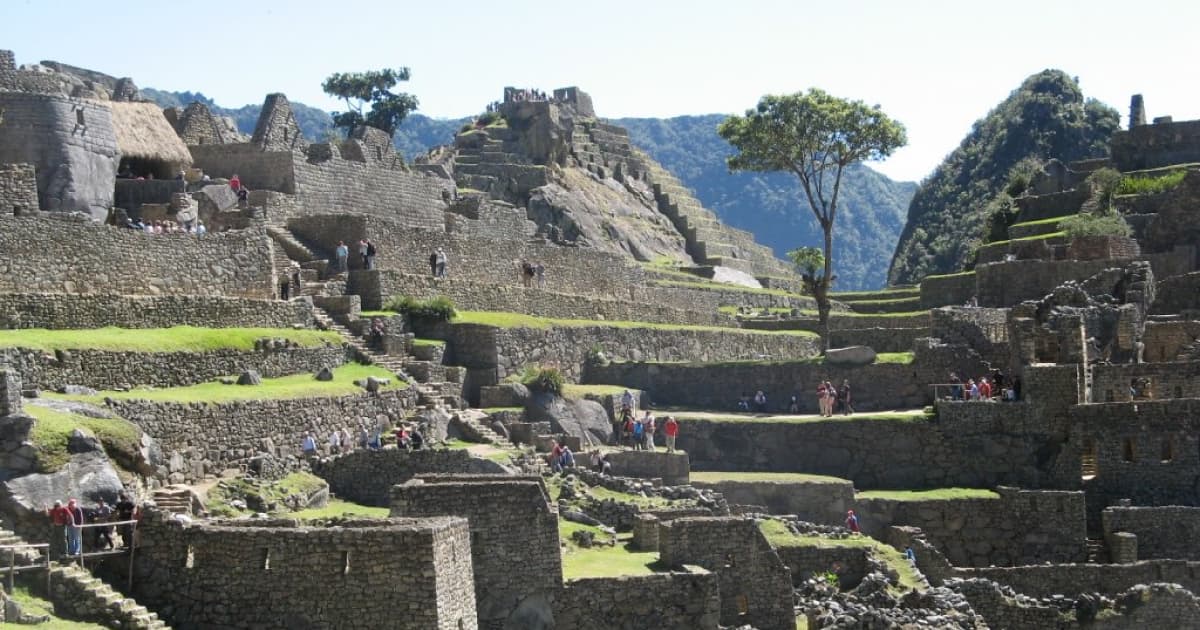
937	66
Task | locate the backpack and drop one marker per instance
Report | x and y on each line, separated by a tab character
370	249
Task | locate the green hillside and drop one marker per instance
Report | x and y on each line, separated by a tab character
1047	117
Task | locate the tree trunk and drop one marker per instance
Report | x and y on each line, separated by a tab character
822	292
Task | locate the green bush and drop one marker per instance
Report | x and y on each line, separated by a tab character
1094	225
466	127
1001	213
545	379
1021	175
489	118
1141	185
1103	185
440	308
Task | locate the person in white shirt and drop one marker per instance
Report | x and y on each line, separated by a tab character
335	442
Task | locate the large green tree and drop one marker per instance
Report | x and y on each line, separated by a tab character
815	136
373	87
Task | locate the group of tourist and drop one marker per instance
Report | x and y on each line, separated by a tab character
638	433
986	389
560	457
69	521
409	438
532	272
831	399
517	96
166	227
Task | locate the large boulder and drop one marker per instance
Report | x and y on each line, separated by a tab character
250	377
86	477
850	356
585	419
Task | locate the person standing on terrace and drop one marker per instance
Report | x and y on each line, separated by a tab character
671	430
343	256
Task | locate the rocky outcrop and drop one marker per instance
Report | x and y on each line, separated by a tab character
585	419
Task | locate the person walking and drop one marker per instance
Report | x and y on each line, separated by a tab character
362	252
440	261
844	399
649	429
371	252
433	263
125	510
335	442
671	430
343	257
74	528
308	445
102	536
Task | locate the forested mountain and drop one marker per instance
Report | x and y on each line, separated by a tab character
769	205
1046	117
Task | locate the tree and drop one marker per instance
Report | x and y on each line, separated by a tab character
815	136
374	87
808	260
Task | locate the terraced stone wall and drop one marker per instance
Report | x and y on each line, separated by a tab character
663	600
952	290
1110	383
1153	146
102	369
74	311
1166	339
879	339
276	574
368	476
1070	580
1177	294
1003	284
43	254
823	502
18	189
1167	532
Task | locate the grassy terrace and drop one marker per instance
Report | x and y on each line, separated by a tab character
601	560
937	494
1038	222
705	285
502	319
53	429
898	292
780	536
850	315
729	416
337	508
718	476
175	339
1036	237
36	606
284	387
959	274
893	358
571	390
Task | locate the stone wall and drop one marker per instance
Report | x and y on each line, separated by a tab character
1177	294
671	468
1071	580
1153	146
18	189
375	287
917	320
514	537
276	574
367	477
71	144
1018	527
1110	383
61	256
823	501
1003	284
849	563
102	369
97	310
662	600
984	330
948	290
255	168
879	339
755	586
210	437
1168	532
1164	340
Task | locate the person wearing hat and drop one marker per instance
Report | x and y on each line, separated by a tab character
852	522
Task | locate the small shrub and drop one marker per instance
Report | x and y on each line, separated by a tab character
1001	213
1021	175
488	118
1094	225
1103	185
830	578
545	379
466	127
438	309
1140	185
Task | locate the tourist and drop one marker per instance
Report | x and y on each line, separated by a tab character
235	183
362	252
626	400
671	430
347	440
568	458
997	380
912	557
440	261
595	459
744	402
378	332
985	390
59	518
845	403
1016	388
794	405
335	442
605	465
526	273
972	389
371	252
555	458
830	398
821	398
648	427
74	528
639	435
308	445
403	440
102	536
852	522
760	402
343	257
417	440
125	509
627	435
200	229
433	263
540	270
364	437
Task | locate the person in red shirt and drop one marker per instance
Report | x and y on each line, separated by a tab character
60	518
235	183
671	429
852	522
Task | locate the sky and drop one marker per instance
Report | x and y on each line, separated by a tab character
936	66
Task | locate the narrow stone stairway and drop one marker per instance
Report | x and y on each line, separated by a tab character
1097	551
82	595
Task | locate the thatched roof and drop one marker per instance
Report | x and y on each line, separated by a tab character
143	132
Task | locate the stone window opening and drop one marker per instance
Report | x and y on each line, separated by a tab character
1168	449
266	558
1089	459
729	561
345	563
79	120
743	605
1128	451
189	561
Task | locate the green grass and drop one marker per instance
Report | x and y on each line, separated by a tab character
571	390
718	476
779	536
1149	185
371	314
886	416
220	496
601	493
428	342
851	315
720	286
501	319
338	507
492	410
1035	237
1038	222
729	309
36	606
601	561
882	293
950	275
937	494
284	387
888	358
175	339
53	429
901	300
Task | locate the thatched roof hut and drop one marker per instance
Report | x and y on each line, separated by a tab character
144	133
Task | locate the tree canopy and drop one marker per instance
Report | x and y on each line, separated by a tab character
373	87
815	136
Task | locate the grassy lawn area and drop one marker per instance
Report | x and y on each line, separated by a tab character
371	314
1036	237
709	285
729	309
502	319
602	560
175	339
33	605
952	275
428	342
572	390
891	358
880	294
284	387
936	494
602	493
714	476
338	507
53	429
850	315
1038	222
882	416
780	536
912	299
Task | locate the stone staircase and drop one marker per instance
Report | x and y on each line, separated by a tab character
475	420
1097	551
79	594
175	499
495	165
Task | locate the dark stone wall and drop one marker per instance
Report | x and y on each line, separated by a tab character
368	476
18	189
74	311
662	600
1167	533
